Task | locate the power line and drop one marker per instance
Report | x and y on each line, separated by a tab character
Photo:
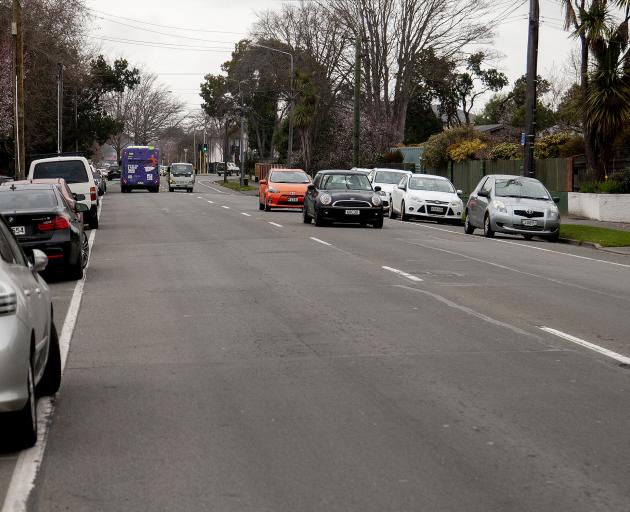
167	46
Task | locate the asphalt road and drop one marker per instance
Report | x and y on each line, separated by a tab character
225	360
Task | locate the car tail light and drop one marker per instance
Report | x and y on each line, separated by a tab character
8	300
57	224
93	193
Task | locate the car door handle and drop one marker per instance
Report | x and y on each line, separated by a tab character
38	291
28	293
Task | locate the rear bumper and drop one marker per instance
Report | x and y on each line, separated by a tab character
284	201
60	253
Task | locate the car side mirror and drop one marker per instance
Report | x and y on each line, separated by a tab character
459	192
310	187
40	260
377	189
556	200
483	193
263	182
402	187
81	207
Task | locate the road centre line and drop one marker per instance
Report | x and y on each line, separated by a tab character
402	273
509	242
591	346
226	207
29	461
512	269
320	241
211	202
212	188
246	214
276	224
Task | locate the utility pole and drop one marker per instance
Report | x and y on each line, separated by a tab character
291	107
18	64
530	98
76	121
357	107
195	149
59	108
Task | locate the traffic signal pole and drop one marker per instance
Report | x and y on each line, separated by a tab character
530	98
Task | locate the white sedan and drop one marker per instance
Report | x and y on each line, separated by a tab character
387	179
428	197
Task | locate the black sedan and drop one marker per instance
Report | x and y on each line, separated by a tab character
343	196
40	218
113	173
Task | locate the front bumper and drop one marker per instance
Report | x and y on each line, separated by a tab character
510	223
336	214
14	350
424	210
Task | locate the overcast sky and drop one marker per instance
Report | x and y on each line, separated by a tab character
127	28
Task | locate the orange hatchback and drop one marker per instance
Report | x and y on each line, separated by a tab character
283	188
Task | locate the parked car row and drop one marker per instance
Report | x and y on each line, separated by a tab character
499	203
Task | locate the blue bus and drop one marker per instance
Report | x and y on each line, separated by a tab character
139	168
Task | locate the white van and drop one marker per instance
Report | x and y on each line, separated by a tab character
78	175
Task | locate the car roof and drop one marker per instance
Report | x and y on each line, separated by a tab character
386	169
60	159
509	177
341	171
42	181
28	186
420	175
284	169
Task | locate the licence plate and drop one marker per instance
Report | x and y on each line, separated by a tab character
149	177
18	230
437	209
353	212
292	199
530	222
141	183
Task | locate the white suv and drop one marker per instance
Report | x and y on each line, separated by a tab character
78	175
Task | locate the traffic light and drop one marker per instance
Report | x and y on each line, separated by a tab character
205	148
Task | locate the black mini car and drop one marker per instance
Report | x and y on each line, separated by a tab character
41	218
343	196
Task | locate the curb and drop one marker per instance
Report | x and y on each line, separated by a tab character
591	245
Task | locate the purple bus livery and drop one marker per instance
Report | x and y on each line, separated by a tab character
140	168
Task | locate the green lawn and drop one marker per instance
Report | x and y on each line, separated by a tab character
235	185
602	236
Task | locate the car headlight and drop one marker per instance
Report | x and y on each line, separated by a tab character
553	213
8	300
457	203
499	206
376	201
382	193
273	190
325	199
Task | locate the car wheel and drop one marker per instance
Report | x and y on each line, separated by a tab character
305	216
469	229
190	190
319	222
392	213
93	222
487	227
170	189
25	422
261	206
378	224
85	251
555	237
267	207
403	212
51	380
528	237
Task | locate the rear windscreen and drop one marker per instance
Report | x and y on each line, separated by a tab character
14	200
73	171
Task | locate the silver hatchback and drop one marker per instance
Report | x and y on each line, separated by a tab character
512	204
30	362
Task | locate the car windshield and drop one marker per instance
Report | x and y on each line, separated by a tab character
346	182
388	178
25	199
518	187
289	177
181	169
73	171
431	184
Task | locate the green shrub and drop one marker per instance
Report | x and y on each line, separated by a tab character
619	183
436	149
466	150
506	151
549	146
574	146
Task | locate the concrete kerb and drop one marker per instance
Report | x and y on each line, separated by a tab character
623	251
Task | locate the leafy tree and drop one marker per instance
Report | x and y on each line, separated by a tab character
495	110
466	150
506	151
421	121
436	150
550	145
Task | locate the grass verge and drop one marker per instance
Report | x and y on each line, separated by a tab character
602	236
235	185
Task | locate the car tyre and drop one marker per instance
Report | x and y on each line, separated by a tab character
170	189
469	229
487	227
378	224
51	380
403	213
25	423
555	237
392	213
190	190
93	222
319	222
261	206
528	237
306	217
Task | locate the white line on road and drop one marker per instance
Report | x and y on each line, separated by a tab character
276	224
199	197
320	241
573	339
226	207
211	202
28	463
402	273
212	188
246	214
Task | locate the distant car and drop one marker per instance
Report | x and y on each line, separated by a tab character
182	175
30	361
343	196
113	173
283	188
388	180
221	169
101	185
78	175
512	204
426	196
103	172
4	179
233	168
41	218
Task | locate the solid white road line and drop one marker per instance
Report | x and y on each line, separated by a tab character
510	242
211	202
199	197
320	241
246	214
29	461
212	188
276	224
226	207
402	273
578	341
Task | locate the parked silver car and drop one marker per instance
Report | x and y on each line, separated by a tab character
30	362
512	204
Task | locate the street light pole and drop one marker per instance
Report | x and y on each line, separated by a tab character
357	107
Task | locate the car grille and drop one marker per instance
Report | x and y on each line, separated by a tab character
352	204
531	215
437	202
529	228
